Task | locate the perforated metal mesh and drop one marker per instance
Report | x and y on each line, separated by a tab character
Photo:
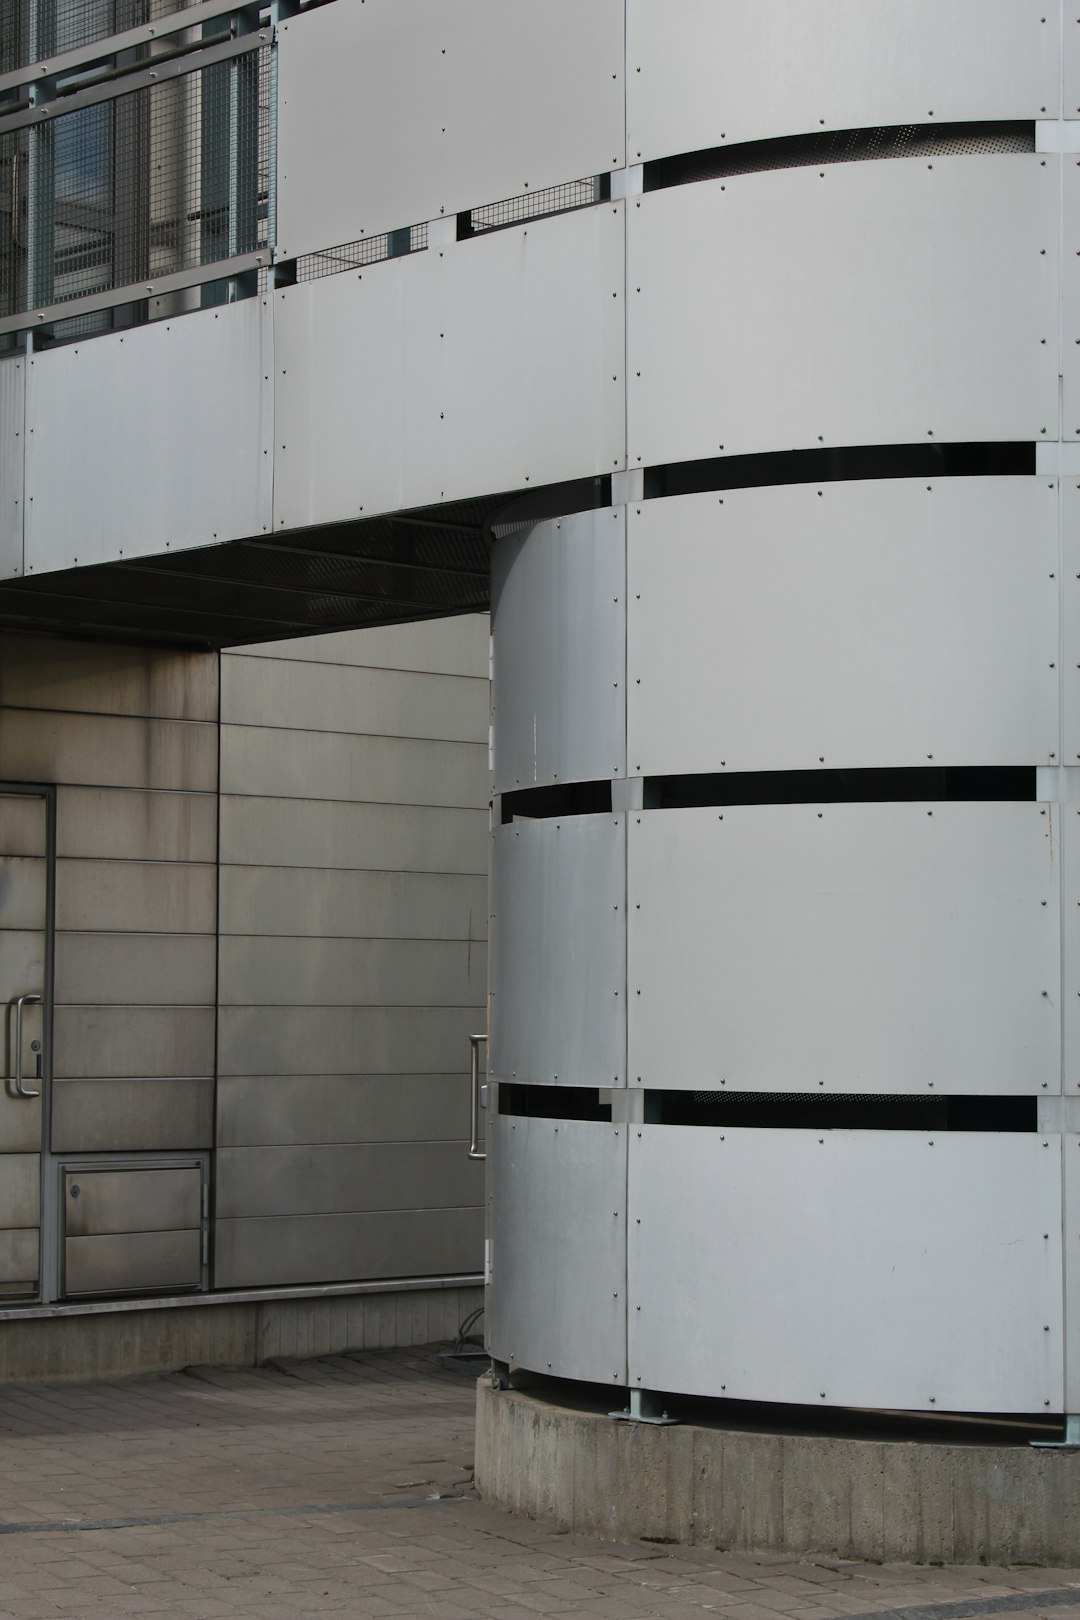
534	204
355	255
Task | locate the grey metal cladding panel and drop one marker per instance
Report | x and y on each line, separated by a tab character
1071	1228
132	1042
558	959
97	1202
133	1116
20	1195
22	954
1070	945
344	1040
1071	107
121	824
88	677
132	1262
22	891
910	1275
559	651
700	74
279	1250
20	1118
807	935
327	1180
136	896
937	639
22	824
12	441
157	969
389	770
291	1110
108	750
1070	301
557	1300
162	468
374	130
19	1256
457	646
942	278
394	838
379	702
327	904
335	972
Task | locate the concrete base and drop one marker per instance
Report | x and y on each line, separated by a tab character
888	1501
65	1344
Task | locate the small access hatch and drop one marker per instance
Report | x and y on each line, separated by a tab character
132	1228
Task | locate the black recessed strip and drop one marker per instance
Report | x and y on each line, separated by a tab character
850	463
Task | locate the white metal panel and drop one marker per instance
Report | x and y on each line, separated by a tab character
12	414
888	302
558	1247
1071	65
178	458
1070	947
854	624
559	639
1070	294
848	947
851	1268
1071	1227
396	111
702	74
1070	593
558	960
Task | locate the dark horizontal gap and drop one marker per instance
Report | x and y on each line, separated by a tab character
888	785
849	463
552	1102
812	1111
825	147
560	799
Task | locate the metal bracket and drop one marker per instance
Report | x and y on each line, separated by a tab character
1071	1442
645	1407
500	1375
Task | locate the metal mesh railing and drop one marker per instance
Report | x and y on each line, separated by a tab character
66	25
355	255
534	204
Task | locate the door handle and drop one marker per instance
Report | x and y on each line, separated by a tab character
29	999
474	1096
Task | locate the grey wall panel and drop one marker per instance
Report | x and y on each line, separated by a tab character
90	678
132	1042
122	824
158	1199
383	905
161	468
1070	947
163	969
1070	297
133	1116
702	75
1071	40
559	651
336	1248
489	364
1070	590
135	896
107	750
330	765
19	1256
760	668
289	1110
12	442
1071	1228
912	1272
788	947
352	972
557	1301
344	1040
558	988
22	953
940	277
327	1180
20	1118
397	838
20	1200
457	646
22	824
318	697
154	1262
375	132
22	891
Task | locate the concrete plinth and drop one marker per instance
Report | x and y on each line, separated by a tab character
887	1500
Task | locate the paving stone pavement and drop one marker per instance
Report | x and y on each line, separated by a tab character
343	1487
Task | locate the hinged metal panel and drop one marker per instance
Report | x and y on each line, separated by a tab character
1071	1227
902	948
558	959
398	111
850	1268
180	456
12	442
559	634
877	623
557	1301
133	1262
703	75
889	302
136	1199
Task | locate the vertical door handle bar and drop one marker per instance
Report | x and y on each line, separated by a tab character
20	1089
475	1042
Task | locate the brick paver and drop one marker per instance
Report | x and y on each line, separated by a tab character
344	1487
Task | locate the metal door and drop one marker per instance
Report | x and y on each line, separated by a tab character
26	906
